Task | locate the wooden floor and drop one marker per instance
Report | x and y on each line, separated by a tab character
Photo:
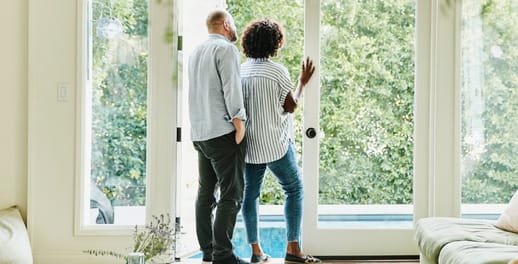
281	261
369	262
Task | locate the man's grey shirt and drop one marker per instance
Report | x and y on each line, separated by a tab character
215	95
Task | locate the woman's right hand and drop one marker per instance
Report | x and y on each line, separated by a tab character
307	70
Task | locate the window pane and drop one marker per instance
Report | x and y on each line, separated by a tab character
119	59
489	145
367	103
366	114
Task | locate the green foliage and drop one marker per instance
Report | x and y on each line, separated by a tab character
271	192
491	169
367	109
367	99
119	103
157	238
155	241
101	252
367	73
288	12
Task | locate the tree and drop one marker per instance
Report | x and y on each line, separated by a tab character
489	143
119	107
367	85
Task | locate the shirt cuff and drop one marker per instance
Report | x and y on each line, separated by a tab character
241	114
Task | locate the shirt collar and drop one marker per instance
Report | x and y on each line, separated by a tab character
257	59
217	36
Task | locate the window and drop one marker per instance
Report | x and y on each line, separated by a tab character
115	117
489	160
367	104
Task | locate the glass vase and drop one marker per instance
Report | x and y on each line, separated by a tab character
135	258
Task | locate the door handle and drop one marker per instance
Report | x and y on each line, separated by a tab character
311	132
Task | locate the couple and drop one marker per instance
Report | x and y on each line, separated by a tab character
224	98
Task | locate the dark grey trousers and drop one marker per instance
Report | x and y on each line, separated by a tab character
221	163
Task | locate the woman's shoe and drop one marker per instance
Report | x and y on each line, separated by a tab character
256	259
292	259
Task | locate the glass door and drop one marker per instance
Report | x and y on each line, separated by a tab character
488	87
358	167
359	128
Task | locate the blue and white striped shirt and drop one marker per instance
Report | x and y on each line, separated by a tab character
268	128
215	95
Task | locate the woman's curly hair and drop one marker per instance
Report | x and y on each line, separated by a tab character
262	38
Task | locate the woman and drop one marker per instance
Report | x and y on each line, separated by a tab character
268	98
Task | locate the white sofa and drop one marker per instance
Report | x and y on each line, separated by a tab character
15	247
450	240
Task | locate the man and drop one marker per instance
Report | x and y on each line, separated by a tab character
217	116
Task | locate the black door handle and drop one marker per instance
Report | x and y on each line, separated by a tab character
311	132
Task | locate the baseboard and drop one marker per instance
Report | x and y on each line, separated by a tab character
75	259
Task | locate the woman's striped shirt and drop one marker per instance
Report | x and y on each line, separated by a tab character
265	87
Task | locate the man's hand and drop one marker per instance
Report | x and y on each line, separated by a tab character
240	129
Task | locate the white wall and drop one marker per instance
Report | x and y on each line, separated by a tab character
13	104
53	31
52	60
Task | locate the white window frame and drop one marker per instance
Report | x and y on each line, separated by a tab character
161	120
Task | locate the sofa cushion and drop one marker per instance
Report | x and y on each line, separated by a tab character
434	233
468	252
508	220
14	240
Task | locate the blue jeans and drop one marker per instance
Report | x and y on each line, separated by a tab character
288	175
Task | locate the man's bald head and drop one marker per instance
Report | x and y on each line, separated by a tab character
216	19
221	22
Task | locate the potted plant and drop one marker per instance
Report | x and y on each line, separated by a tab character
156	241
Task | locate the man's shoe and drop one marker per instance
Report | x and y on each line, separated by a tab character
292	259
257	259
241	261
231	260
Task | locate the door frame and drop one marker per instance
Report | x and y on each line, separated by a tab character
436	136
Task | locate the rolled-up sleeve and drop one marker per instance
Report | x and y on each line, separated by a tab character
231	83
285	85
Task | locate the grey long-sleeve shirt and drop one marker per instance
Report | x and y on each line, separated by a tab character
215	95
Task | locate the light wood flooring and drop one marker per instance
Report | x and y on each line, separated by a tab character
281	261
366	262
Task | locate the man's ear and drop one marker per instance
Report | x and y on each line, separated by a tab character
226	26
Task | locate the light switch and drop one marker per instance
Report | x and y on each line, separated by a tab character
63	90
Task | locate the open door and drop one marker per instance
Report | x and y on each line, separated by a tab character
193	31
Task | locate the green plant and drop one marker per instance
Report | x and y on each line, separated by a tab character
119	102
156	241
